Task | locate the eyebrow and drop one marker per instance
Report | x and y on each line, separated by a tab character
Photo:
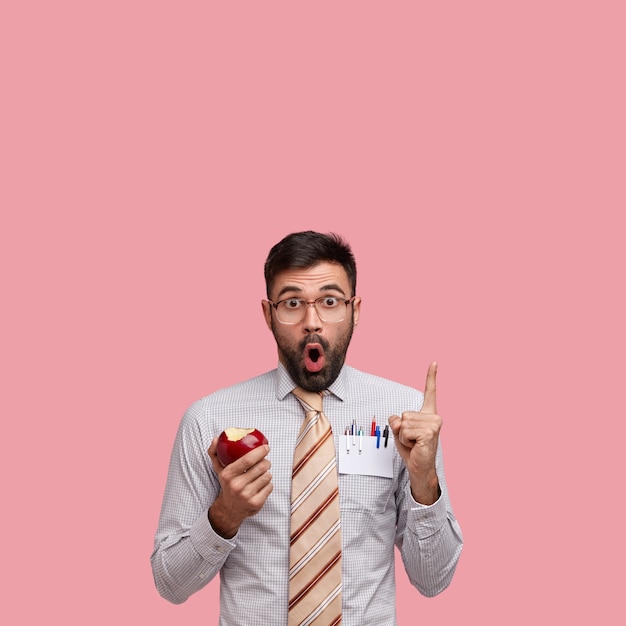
329	287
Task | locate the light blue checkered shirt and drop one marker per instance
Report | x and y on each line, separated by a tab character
377	513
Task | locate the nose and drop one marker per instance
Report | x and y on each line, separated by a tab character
312	321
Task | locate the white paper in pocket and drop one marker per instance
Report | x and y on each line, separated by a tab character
361	456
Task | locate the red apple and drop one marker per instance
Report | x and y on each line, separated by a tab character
235	442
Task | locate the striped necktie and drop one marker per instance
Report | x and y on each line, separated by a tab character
315	553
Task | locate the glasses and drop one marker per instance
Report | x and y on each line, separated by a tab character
329	309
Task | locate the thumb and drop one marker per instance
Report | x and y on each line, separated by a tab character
212	450
394	424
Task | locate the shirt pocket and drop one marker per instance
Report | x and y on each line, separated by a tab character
360	492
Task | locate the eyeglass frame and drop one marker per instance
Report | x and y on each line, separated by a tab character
313	303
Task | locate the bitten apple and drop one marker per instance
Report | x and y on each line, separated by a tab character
235	442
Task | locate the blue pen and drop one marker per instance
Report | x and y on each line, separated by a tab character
378	436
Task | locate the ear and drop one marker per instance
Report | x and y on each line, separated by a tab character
357	310
267	313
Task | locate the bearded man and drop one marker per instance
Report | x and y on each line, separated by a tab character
387	484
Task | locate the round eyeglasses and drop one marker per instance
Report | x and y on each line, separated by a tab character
329	309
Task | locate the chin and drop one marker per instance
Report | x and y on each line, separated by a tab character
316	381
315	385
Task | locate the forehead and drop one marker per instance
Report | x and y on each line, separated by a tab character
318	278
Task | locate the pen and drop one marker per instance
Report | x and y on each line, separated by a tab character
360	440
374	427
377	433
386	434
353	432
347	441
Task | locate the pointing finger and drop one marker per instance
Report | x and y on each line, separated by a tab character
430	390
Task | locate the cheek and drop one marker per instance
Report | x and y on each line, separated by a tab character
346	336
339	338
284	337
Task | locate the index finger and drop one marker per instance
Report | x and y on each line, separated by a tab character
249	459
430	390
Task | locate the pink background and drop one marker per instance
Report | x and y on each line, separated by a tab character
474	155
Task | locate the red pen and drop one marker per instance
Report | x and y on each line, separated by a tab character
374	427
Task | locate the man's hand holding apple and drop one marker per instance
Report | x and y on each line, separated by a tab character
245	486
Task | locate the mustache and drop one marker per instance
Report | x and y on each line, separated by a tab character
314	338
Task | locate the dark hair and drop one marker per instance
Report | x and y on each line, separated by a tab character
305	249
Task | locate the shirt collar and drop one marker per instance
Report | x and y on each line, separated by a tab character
284	384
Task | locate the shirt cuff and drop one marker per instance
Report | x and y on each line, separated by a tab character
425	520
208	543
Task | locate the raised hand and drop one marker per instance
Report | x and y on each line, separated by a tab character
417	436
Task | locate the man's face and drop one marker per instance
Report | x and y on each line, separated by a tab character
312	351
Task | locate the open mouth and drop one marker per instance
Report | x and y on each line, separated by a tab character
314	359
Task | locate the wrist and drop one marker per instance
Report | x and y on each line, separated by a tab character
222	523
425	489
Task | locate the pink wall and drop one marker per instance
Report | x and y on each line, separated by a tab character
472	152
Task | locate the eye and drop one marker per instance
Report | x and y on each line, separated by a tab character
329	302
292	303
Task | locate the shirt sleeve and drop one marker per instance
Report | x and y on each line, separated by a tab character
429	537
188	553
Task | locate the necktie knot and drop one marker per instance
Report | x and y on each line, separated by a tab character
310	400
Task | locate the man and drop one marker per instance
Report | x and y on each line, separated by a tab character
235	520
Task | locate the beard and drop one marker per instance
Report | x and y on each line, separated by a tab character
291	356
